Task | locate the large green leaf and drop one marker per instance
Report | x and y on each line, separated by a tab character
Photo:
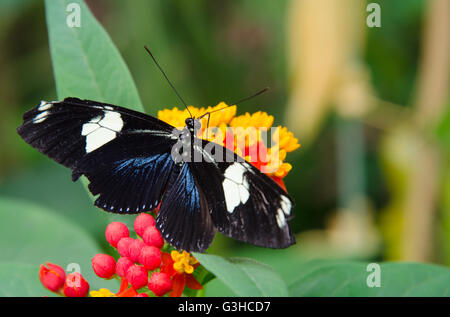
333	278
244	277
86	63
19	279
59	194
31	235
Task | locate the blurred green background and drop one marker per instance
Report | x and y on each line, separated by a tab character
370	107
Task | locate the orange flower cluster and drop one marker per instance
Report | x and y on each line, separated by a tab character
247	135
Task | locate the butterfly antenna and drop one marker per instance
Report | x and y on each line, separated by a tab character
165	76
252	96
237	102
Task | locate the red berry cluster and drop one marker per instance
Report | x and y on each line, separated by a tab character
137	257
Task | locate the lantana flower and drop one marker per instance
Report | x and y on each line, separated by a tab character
180	267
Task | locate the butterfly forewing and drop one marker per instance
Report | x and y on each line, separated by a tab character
129	173
124	154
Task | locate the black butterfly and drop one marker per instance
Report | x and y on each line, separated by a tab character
134	161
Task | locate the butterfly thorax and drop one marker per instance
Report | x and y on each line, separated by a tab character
183	150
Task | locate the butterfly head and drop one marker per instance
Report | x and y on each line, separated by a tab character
193	124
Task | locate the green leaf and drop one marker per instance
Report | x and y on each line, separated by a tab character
332	278
244	277
59	194
33	235
85	61
19	279
87	64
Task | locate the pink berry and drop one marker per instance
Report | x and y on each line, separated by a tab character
150	257
134	250
141	295
104	265
160	283
137	276
153	237
123	246
142	222
116	231
122	266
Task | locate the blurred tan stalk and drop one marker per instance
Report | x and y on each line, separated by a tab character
430	101
326	39
412	159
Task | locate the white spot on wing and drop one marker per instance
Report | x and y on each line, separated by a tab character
235	172
44	105
40	117
112	120
232	197
99	138
281	220
286	205
89	128
244	194
235	186
101	130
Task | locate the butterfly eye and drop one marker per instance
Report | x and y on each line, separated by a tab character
193	123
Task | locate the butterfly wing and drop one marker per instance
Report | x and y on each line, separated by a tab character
245	204
124	154
184	219
129	176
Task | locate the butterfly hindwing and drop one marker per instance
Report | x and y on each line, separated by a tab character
245	204
184	219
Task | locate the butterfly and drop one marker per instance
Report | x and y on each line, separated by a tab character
135	162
